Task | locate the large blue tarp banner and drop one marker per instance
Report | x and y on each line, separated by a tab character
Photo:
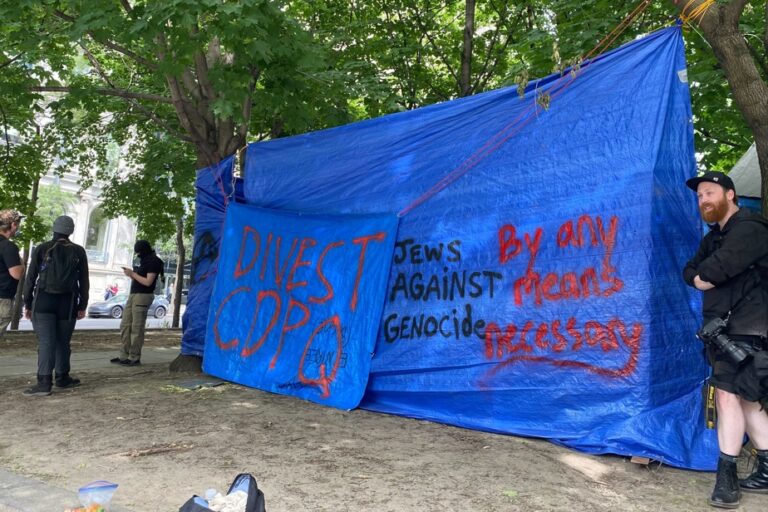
214	190
540	293
297	302
535	282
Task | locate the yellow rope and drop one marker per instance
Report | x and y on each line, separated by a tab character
697	13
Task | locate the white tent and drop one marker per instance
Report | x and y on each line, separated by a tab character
746	174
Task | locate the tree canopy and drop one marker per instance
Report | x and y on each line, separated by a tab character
141	93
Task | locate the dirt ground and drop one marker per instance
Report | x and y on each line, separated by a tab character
139	427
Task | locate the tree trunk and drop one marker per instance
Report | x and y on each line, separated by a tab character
720	26
16	318
465	83
180	262
182	363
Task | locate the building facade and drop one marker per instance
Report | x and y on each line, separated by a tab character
108	242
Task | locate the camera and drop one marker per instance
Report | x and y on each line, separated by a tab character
712	333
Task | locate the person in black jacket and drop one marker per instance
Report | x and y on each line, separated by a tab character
53	311
730	269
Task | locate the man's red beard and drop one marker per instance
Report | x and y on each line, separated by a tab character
716	213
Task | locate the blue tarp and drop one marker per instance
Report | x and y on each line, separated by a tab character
535	283
298	301
214	189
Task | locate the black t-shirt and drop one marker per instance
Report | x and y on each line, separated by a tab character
149	264
9	257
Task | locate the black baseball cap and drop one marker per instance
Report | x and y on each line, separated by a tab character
712	177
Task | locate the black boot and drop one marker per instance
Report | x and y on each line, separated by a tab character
757	481
726	493
42	388
65	381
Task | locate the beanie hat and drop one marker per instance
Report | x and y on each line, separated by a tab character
64	225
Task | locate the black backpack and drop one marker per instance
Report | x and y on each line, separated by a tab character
60	269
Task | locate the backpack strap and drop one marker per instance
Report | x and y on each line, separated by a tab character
50	249
60	241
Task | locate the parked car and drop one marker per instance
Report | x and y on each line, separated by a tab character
114	307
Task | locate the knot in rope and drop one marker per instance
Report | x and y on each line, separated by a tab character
696	13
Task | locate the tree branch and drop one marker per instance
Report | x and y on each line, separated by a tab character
178	100
759	59
109	44
181	110
96	65
10	61
205	90
225	133
735	8
404	80
105	92
126	6
487	60
706	133
465	75
435	46
485	74
7	139
501	53
248	103
147	112
765	34
190	84
201	70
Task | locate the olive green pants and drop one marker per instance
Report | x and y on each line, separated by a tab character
6	313
133	324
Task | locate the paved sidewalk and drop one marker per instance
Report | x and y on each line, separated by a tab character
21	494
11	365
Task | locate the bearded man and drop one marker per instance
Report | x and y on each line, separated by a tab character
731	269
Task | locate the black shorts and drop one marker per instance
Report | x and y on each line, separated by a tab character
724	370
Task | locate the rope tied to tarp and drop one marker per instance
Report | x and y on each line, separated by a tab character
697	12
511	129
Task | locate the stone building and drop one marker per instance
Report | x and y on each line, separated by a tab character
108	242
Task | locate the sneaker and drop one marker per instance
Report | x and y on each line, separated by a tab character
70	382
117	360
128	362
37	390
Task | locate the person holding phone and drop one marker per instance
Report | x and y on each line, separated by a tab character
143	277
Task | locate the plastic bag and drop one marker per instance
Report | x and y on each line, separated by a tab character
96	494
243	482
